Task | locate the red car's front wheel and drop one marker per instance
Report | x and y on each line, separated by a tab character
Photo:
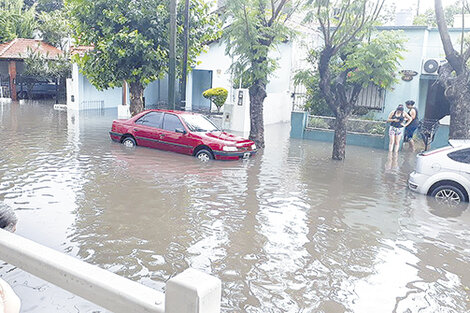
204	155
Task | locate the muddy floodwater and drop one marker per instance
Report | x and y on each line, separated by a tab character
287	231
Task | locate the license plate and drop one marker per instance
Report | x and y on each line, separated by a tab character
246	155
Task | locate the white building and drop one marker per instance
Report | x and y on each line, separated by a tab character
212	71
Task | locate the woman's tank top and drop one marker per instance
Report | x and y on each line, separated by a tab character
415	121
400	118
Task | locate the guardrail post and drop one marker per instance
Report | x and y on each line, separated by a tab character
193	292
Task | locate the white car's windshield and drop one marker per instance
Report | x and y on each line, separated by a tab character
198	123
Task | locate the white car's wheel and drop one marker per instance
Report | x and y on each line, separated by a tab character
448	194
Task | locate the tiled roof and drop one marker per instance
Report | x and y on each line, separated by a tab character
18	49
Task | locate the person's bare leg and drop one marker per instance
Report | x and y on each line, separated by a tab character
397	143
412	144
392	141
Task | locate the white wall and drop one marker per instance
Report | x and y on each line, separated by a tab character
83	91
216	61
277	105
85	94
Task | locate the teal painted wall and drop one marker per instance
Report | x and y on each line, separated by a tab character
377	142
422	43
299	131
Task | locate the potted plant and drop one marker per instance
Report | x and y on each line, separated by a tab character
216	95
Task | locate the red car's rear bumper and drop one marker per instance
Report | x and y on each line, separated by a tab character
115	136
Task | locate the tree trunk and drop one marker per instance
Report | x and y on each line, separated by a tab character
136	94
339	143
257	96
459	98
456	84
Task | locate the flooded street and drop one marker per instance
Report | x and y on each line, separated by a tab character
287	231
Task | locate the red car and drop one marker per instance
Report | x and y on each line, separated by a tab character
183	132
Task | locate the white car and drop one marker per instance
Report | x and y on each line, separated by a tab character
444	173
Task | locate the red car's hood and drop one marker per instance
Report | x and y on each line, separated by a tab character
228	138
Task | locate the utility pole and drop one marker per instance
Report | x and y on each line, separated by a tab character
417	9
172	64
185	54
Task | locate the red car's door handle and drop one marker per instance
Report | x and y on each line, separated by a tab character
162	135
135	129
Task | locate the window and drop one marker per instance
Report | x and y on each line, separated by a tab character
462	156
172	122
152	119
372	98
198	123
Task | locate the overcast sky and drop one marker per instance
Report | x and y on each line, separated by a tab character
423	4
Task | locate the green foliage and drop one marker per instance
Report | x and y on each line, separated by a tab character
428	18
217	95
130	38
315	102
49	5
357	125
204	28
15	21
44	5
54	27
39	65
254	30
374	61
318	122
378	129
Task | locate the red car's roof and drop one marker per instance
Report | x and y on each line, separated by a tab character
169	111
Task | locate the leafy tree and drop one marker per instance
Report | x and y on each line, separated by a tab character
350	58
44	5
49	5
256	28
40	65
204	28
428	18
216	95
54	27
15	21
130	40
454	76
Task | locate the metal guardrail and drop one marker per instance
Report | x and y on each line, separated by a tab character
356	126
189	292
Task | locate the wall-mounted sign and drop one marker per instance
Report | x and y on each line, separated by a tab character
407	75
240	97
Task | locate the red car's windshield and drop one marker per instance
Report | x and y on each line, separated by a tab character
199	123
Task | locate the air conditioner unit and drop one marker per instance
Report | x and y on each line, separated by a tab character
431	66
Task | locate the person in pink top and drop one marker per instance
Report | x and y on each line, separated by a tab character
9	301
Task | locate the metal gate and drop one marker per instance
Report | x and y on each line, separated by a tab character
299	98
4	87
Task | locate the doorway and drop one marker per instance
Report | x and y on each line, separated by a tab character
202	80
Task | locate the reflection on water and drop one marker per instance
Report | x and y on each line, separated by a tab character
287	231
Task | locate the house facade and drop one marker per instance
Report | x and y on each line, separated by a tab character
12	55
417	74
212	70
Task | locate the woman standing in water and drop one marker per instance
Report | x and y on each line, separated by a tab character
398	120
9	301
412	125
